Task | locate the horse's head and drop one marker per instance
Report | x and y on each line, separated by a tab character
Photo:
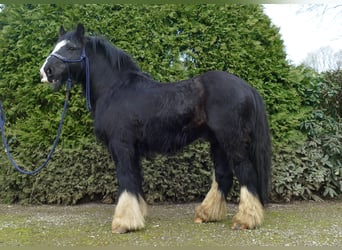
65	59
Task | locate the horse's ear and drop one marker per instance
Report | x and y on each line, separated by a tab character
61	31
80	30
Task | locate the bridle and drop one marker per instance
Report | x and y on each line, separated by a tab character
82	57
59	130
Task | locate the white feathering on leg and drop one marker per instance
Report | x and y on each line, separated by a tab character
250	213
129	213
213	207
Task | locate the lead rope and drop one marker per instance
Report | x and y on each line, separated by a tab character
88	102
54	145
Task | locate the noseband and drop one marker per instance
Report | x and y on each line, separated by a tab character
69	80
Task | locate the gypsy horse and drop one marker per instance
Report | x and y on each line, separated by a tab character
135	115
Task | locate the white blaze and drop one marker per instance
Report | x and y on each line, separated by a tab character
55	50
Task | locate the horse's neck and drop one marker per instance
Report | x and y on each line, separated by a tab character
101	82
104	78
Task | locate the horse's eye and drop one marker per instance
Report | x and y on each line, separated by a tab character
48	71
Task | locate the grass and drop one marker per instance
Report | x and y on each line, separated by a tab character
298	224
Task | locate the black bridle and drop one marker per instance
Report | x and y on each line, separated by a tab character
59	130
80	60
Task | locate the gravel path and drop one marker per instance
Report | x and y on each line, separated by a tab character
298	224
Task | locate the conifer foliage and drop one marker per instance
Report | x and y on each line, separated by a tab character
169	42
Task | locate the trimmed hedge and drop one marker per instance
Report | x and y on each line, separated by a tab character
170	42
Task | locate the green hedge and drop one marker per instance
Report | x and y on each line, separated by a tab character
170	42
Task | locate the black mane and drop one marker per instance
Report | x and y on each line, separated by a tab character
117	58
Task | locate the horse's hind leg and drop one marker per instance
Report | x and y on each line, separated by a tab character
213	207
250	212
131	207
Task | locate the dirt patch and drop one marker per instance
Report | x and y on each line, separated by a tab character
298	224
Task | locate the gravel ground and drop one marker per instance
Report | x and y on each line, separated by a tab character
297	224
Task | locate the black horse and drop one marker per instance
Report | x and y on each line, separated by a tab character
135	115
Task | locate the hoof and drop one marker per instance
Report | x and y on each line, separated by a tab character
198	220
119	230
238	226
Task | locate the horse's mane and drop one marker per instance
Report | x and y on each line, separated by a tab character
117	58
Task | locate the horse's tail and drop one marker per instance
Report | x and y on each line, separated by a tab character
261	150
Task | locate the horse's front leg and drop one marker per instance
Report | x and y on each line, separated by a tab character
131	207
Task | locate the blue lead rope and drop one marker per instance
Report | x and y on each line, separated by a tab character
59	131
